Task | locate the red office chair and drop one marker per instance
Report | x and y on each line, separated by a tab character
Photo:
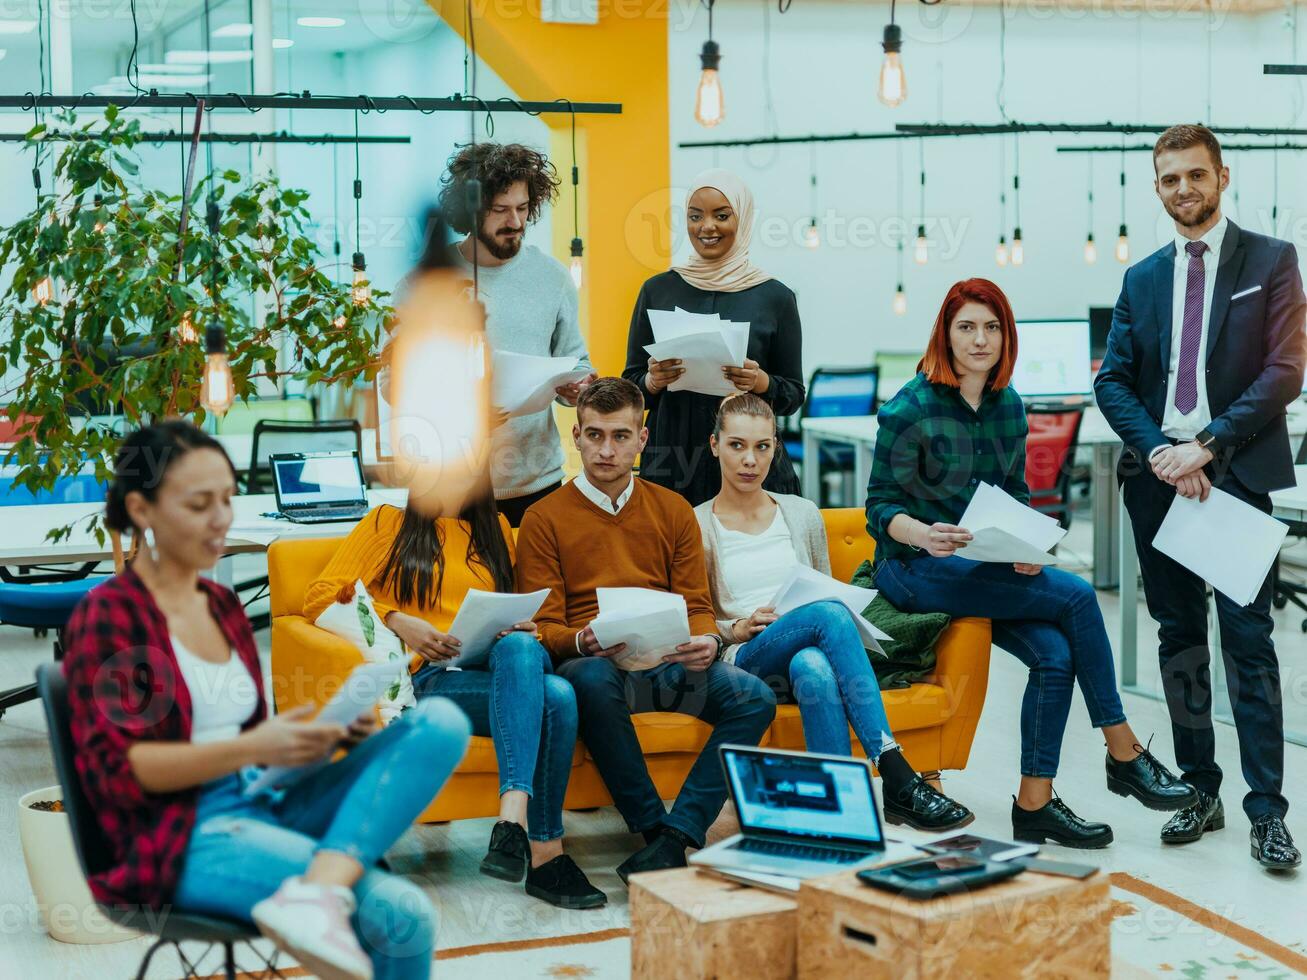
1050	451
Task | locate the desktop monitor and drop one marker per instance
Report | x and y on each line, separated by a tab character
1052	359
1100	325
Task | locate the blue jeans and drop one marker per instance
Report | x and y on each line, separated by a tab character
529	712
736	704
818	650
243	848
1050	622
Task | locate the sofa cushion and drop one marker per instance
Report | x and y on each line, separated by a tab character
481	755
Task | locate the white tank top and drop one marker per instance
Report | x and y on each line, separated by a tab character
223	696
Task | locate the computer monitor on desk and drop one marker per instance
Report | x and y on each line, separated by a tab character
1053	360
1100	325
894	369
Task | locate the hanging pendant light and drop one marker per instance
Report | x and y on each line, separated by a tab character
186	329
576	268
709	106
811	235
1123	238
892	87
43	291
361	291
900	304
1000	251
1018	246
1091	250
217	389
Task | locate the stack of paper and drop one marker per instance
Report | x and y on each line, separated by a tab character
482	616
523	384
652	624
807	585
1224	541
1005	530
704	343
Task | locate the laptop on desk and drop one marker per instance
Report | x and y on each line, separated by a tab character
319	488
801	815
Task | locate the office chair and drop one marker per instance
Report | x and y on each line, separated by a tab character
1284	591
1050	456
834	393
93	854
42	597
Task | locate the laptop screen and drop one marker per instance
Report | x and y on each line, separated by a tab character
318	479
804	795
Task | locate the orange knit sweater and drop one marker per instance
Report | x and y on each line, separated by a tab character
362	556
569	546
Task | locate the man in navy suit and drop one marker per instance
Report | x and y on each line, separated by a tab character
1206	350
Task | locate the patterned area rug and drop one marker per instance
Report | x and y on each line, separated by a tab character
1155	933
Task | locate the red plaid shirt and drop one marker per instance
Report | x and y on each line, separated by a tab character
124	686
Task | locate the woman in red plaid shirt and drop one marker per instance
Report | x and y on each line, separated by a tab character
169	719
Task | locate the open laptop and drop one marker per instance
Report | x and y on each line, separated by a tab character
801	815
318	488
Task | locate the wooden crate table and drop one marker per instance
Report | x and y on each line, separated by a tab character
690	925
1032	925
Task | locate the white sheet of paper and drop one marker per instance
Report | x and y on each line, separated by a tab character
523	384
1006	530
360	692
807	585
1224	541
652	624
702	355
482	616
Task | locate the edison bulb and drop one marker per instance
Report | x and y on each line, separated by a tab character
1123	247
1018	250
1000	251
893	86
811	236
43	291
920	254
709	107
217	388
1091	251
900	304
575	269
186	329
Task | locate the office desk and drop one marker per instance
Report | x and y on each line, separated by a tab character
23	540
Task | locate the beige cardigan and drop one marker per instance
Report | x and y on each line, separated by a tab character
807	532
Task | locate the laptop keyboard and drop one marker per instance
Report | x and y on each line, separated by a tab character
802	852
330	514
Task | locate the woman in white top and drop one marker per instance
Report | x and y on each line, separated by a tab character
752	541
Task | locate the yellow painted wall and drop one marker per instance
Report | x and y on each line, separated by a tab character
624	159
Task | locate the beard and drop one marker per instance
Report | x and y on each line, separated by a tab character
1204	212
501	247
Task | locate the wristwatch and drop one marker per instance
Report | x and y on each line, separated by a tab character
1207	441
721	645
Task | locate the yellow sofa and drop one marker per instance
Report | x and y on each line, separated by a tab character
934	721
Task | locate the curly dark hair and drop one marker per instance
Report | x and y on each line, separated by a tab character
498	166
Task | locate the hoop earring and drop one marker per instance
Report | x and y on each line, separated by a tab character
149	545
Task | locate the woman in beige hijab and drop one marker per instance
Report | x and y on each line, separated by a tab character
717	278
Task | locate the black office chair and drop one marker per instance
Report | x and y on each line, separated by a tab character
272	436
1283	591
172	927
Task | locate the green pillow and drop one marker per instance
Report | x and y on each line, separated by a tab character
910	655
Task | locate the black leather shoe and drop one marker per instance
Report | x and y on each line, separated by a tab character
1055	822
1149	782
922	806
1272	845
665	852
1189	824
508	853
560	882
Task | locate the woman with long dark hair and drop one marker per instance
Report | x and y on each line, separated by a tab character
958	424
418	571
168	717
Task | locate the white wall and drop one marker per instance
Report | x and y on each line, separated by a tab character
1094	66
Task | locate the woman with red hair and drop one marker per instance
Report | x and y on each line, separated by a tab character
954	426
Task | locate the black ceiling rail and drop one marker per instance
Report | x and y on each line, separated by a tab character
172	136
303	100
1140	147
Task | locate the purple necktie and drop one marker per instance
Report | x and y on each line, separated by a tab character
1191	333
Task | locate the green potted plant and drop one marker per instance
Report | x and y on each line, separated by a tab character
109	304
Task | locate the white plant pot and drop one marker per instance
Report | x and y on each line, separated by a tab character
63	900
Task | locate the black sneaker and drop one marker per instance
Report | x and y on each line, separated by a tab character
560	882
923	807
1055	821
665	852
1149	782
509	851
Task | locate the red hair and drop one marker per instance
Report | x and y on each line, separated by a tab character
937	363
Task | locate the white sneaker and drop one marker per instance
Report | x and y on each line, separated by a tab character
311	923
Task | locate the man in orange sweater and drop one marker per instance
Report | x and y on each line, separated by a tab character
607	528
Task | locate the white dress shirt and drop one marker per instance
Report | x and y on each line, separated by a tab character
1175	424
601	499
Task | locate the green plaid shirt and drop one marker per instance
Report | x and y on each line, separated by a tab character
933	450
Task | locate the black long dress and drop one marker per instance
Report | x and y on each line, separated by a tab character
678	456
